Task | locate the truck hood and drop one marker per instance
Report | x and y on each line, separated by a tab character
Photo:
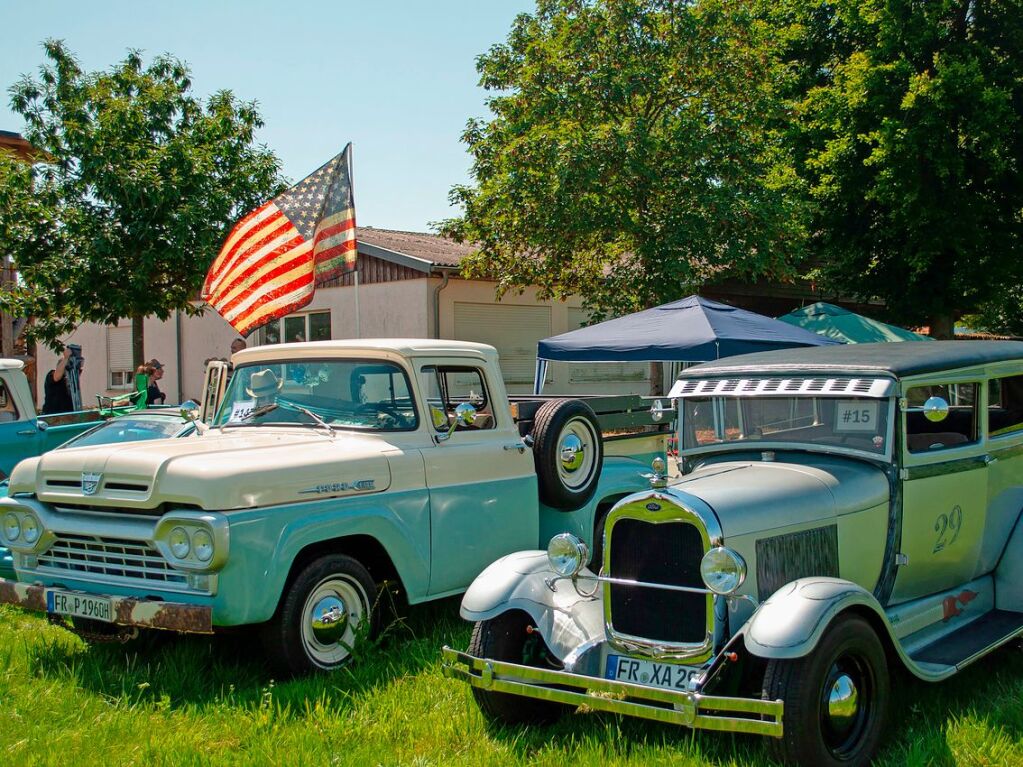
237	469
758	496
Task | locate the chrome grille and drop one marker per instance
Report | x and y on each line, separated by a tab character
667	553
128	560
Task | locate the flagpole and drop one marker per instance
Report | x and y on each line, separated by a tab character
351	186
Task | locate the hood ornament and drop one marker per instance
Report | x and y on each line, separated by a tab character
90	482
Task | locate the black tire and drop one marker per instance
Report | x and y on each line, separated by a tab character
849	652
505	638
559	425
336	587
597	547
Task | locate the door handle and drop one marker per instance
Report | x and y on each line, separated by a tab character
28	432
520	446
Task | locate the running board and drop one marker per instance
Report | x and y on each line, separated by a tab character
971	642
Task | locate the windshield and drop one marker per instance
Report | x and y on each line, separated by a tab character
855	423
131	428
366	395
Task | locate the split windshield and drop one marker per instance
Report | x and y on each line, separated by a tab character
855	423
365	395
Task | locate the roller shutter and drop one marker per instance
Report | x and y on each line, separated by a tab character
512	330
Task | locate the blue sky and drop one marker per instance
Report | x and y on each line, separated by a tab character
398	79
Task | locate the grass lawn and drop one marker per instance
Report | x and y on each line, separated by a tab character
211	701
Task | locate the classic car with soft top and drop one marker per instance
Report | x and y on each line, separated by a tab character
331	471
841	513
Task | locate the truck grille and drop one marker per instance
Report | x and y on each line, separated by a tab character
109	558
666	553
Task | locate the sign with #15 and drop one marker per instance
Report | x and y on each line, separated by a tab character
856	415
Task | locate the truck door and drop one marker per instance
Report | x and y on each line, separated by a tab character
19	436
944	492
483	496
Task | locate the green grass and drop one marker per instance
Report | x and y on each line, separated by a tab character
208	701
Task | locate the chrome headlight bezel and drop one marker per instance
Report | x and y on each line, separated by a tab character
723	570
567	555
212	529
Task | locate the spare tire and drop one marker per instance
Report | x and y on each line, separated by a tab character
568	452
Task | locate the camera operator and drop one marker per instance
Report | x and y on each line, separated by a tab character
56	392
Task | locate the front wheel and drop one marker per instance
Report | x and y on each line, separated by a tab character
836	698
508	638
326	611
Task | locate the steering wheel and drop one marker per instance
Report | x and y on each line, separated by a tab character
379	408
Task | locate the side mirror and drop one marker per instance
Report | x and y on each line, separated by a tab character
658	411
465	415
935	409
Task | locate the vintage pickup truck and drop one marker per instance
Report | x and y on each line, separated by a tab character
840	511
330	470
22	432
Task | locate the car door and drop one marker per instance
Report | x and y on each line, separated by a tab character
944	491
483	496
19	436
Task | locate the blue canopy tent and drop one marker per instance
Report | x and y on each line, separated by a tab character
692	329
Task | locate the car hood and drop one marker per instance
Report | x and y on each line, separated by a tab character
236	469
758	496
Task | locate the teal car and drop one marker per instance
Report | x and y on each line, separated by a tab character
139	426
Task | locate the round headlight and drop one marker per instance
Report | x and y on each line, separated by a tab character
202	543
722	570
12	527
179	543
567	554
30	529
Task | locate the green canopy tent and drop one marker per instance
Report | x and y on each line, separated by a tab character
842	325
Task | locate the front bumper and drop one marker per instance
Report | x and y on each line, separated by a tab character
143	613
690	709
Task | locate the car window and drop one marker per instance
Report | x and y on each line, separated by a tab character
448	386
1005	406
8	410
957	429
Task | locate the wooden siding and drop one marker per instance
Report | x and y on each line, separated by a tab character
373	270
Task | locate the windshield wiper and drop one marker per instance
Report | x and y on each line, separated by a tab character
261	410
315	417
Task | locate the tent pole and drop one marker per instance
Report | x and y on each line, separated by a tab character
539	376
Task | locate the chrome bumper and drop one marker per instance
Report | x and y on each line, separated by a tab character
143	613
690	709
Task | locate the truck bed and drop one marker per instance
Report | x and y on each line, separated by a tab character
620	416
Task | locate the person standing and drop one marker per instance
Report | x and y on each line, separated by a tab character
56	394
153	393
237	345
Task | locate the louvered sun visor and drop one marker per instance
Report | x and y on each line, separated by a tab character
782	387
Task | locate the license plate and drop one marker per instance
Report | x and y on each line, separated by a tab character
79	605
650	673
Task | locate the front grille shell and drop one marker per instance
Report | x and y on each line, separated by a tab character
113	560
676	642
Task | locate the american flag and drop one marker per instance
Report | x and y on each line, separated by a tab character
275	257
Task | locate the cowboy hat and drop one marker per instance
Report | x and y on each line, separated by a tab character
263	383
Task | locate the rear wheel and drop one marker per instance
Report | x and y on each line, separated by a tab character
326	611
508	638
836	698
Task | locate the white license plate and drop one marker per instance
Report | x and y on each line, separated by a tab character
79	605
650	673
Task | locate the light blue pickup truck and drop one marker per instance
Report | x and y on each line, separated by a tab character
333	473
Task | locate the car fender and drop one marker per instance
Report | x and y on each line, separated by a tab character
791	622
524	581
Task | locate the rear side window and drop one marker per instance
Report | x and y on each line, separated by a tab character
8	410
449	386
957	429
1005	406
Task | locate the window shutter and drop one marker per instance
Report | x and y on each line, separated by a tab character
119	349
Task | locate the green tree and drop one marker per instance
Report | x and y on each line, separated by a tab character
909	134
141	183
632	154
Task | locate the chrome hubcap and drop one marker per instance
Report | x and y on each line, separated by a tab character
843	703
572	453
330	620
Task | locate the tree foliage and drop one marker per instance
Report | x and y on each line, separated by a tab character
141	182
632	154
909	136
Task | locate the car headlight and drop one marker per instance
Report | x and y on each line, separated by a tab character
12	527
202	545
722	570
179	543
30	529
567	554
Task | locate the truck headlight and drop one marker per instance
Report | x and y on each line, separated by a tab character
29	529
567	554
179	542
202	545
723	570
12	528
